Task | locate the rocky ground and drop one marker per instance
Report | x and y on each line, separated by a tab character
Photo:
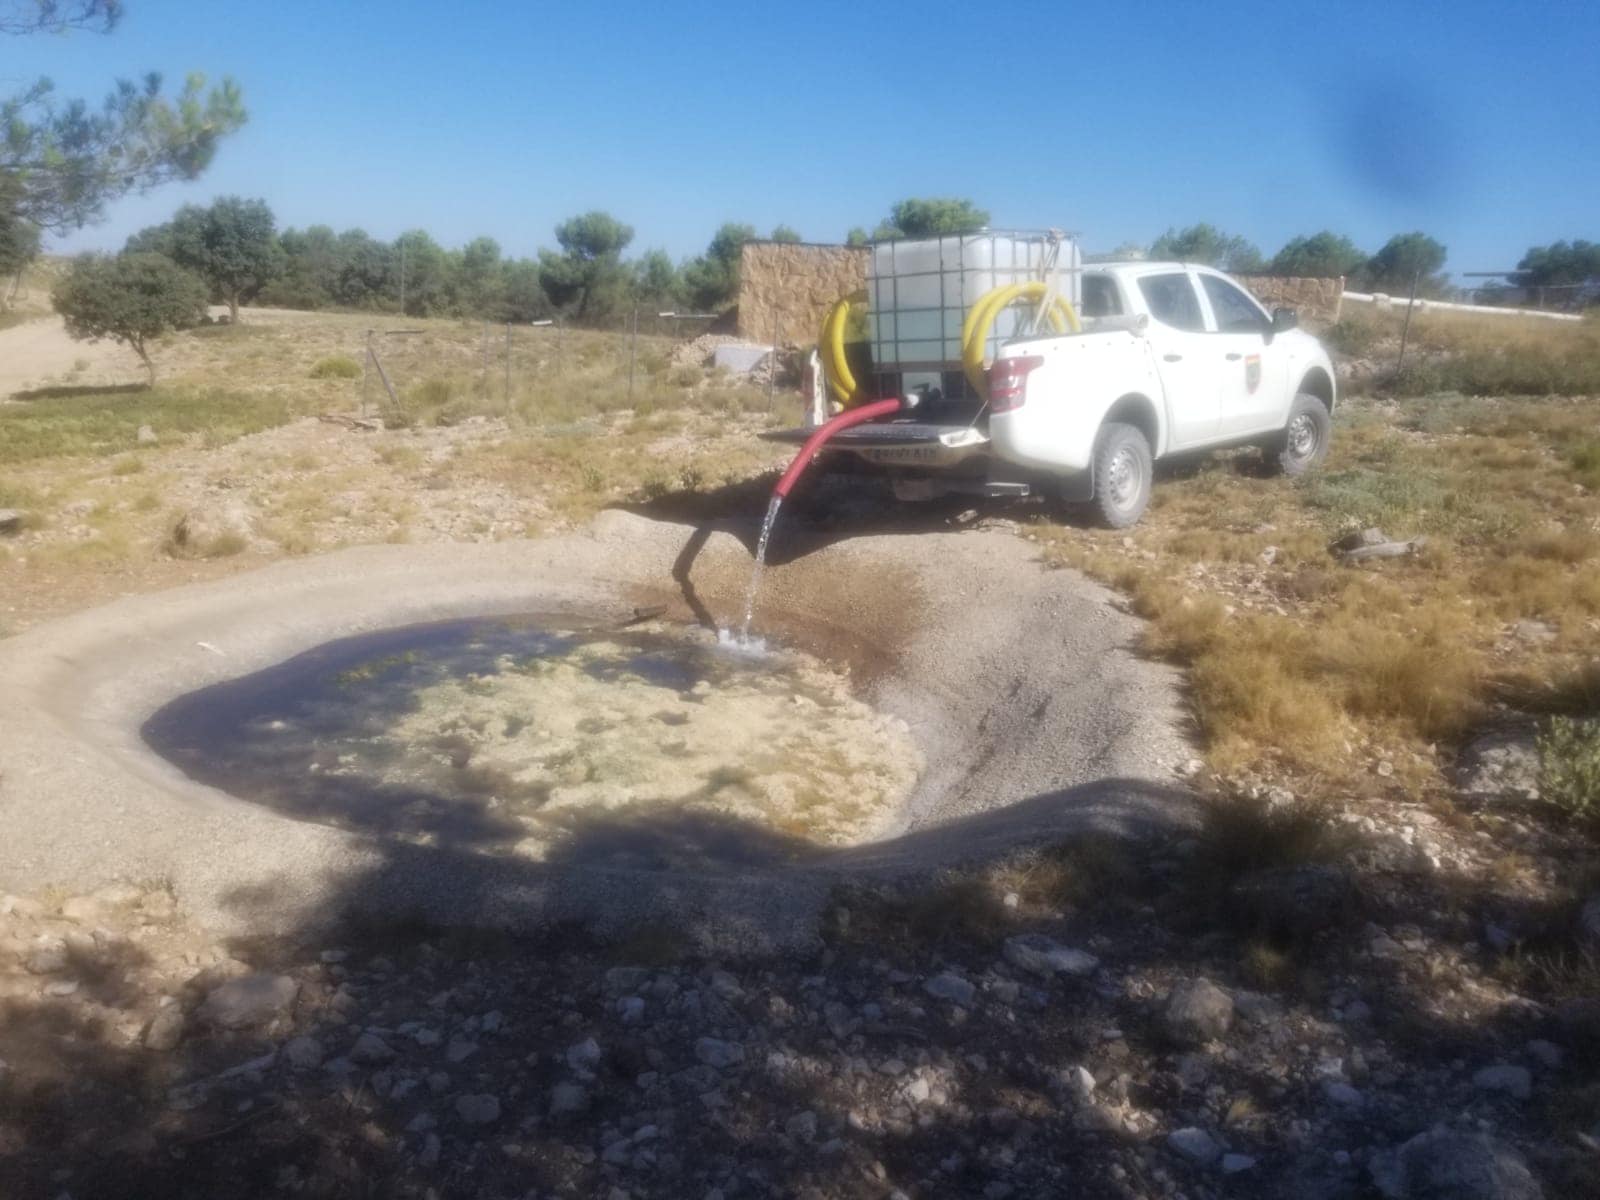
1168	1021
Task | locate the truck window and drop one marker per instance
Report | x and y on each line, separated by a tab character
1233	309
1100	296
1172	300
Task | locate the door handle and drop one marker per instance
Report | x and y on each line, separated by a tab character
1235	357
1172	358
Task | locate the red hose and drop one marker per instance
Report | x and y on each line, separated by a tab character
850	416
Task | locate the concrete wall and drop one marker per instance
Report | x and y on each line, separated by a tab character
790	286
1317	299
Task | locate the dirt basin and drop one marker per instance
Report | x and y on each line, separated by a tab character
1019	686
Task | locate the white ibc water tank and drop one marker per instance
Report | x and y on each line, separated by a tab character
918	292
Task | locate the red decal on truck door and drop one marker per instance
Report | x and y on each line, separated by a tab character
1252	372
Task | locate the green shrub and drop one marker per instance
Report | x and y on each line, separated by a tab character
337	367
1569	766
1586	464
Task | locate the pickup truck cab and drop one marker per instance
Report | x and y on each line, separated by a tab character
1173	358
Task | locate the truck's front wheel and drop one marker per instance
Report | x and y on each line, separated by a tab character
1123	471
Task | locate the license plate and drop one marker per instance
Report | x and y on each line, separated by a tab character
905	454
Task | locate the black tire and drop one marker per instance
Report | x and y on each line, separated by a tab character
1124	470
1303	444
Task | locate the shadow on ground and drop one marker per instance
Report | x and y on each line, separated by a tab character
72	390
849	1078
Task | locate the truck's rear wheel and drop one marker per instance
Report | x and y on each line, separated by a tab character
1303	444
1123	471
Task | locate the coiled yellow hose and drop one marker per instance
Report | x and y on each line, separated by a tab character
975	329
982	315
835	366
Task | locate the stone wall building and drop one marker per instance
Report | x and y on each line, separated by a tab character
789	287
1317	300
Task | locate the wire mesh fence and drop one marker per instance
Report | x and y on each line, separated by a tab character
539	371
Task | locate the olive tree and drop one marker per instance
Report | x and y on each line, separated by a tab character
131	298
232	245
916	218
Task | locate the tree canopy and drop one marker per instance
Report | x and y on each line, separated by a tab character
919	218
1207	244
232	244
58	16
1576	261
588	274
1403	258
62	162
65	162
131	298
712	280
1322	255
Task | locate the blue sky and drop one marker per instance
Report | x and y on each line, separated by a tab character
1477	122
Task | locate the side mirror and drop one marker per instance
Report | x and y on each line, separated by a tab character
1284	319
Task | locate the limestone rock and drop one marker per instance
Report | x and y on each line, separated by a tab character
950	986
1197	1012
1196	1145
1501	764
1448	1165
47	956
166	1029
249	1001
1045	956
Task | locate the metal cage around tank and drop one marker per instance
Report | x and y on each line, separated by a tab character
900	322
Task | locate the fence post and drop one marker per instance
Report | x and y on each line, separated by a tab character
366	360
508	368
1405	330
633	351
561	345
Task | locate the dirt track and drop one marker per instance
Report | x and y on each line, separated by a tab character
40	353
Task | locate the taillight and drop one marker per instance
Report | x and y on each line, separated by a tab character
1008	381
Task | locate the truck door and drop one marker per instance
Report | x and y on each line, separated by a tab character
1248	369
1178	337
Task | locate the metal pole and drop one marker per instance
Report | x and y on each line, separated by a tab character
508	368
1411	307
402	277
483	344
561	345
365	363
633	351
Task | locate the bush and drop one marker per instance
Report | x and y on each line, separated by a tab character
132	298
1569	766
338	367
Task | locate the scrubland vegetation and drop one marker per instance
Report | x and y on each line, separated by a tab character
1333	672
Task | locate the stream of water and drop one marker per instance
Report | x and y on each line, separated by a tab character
756	569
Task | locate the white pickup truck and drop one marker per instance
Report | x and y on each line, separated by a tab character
1172	358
